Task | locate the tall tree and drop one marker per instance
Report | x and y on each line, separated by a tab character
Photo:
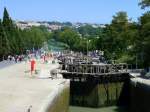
9	28
115	36
144	39
4	43
7	22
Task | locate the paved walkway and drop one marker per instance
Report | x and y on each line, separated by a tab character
19	90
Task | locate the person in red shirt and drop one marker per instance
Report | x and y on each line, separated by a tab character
32	66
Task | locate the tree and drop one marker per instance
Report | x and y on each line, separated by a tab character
9	29
144	39
4	43
33	38
69	37
16	41
144	3
114	39
7	22
89	30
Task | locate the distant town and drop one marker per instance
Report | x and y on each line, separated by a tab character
51	26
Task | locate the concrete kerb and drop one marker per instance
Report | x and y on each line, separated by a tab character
49	101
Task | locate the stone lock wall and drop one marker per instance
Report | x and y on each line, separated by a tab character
58	100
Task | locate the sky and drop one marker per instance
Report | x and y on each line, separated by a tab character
89	11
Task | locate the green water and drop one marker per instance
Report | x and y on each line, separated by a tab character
106	109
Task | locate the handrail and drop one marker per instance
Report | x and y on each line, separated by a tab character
89	68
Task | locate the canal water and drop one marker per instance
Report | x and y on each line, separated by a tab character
105	109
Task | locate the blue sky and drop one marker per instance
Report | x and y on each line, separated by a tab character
92	11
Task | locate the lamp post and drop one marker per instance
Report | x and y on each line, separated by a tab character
136	61
87	48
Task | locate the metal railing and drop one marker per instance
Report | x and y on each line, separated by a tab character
96	69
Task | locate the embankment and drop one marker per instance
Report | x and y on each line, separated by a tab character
58	100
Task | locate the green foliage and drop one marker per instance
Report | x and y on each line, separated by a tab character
144	3
114	39
7	22
56	45
16	41
121	40
4	44
143	42
89	30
